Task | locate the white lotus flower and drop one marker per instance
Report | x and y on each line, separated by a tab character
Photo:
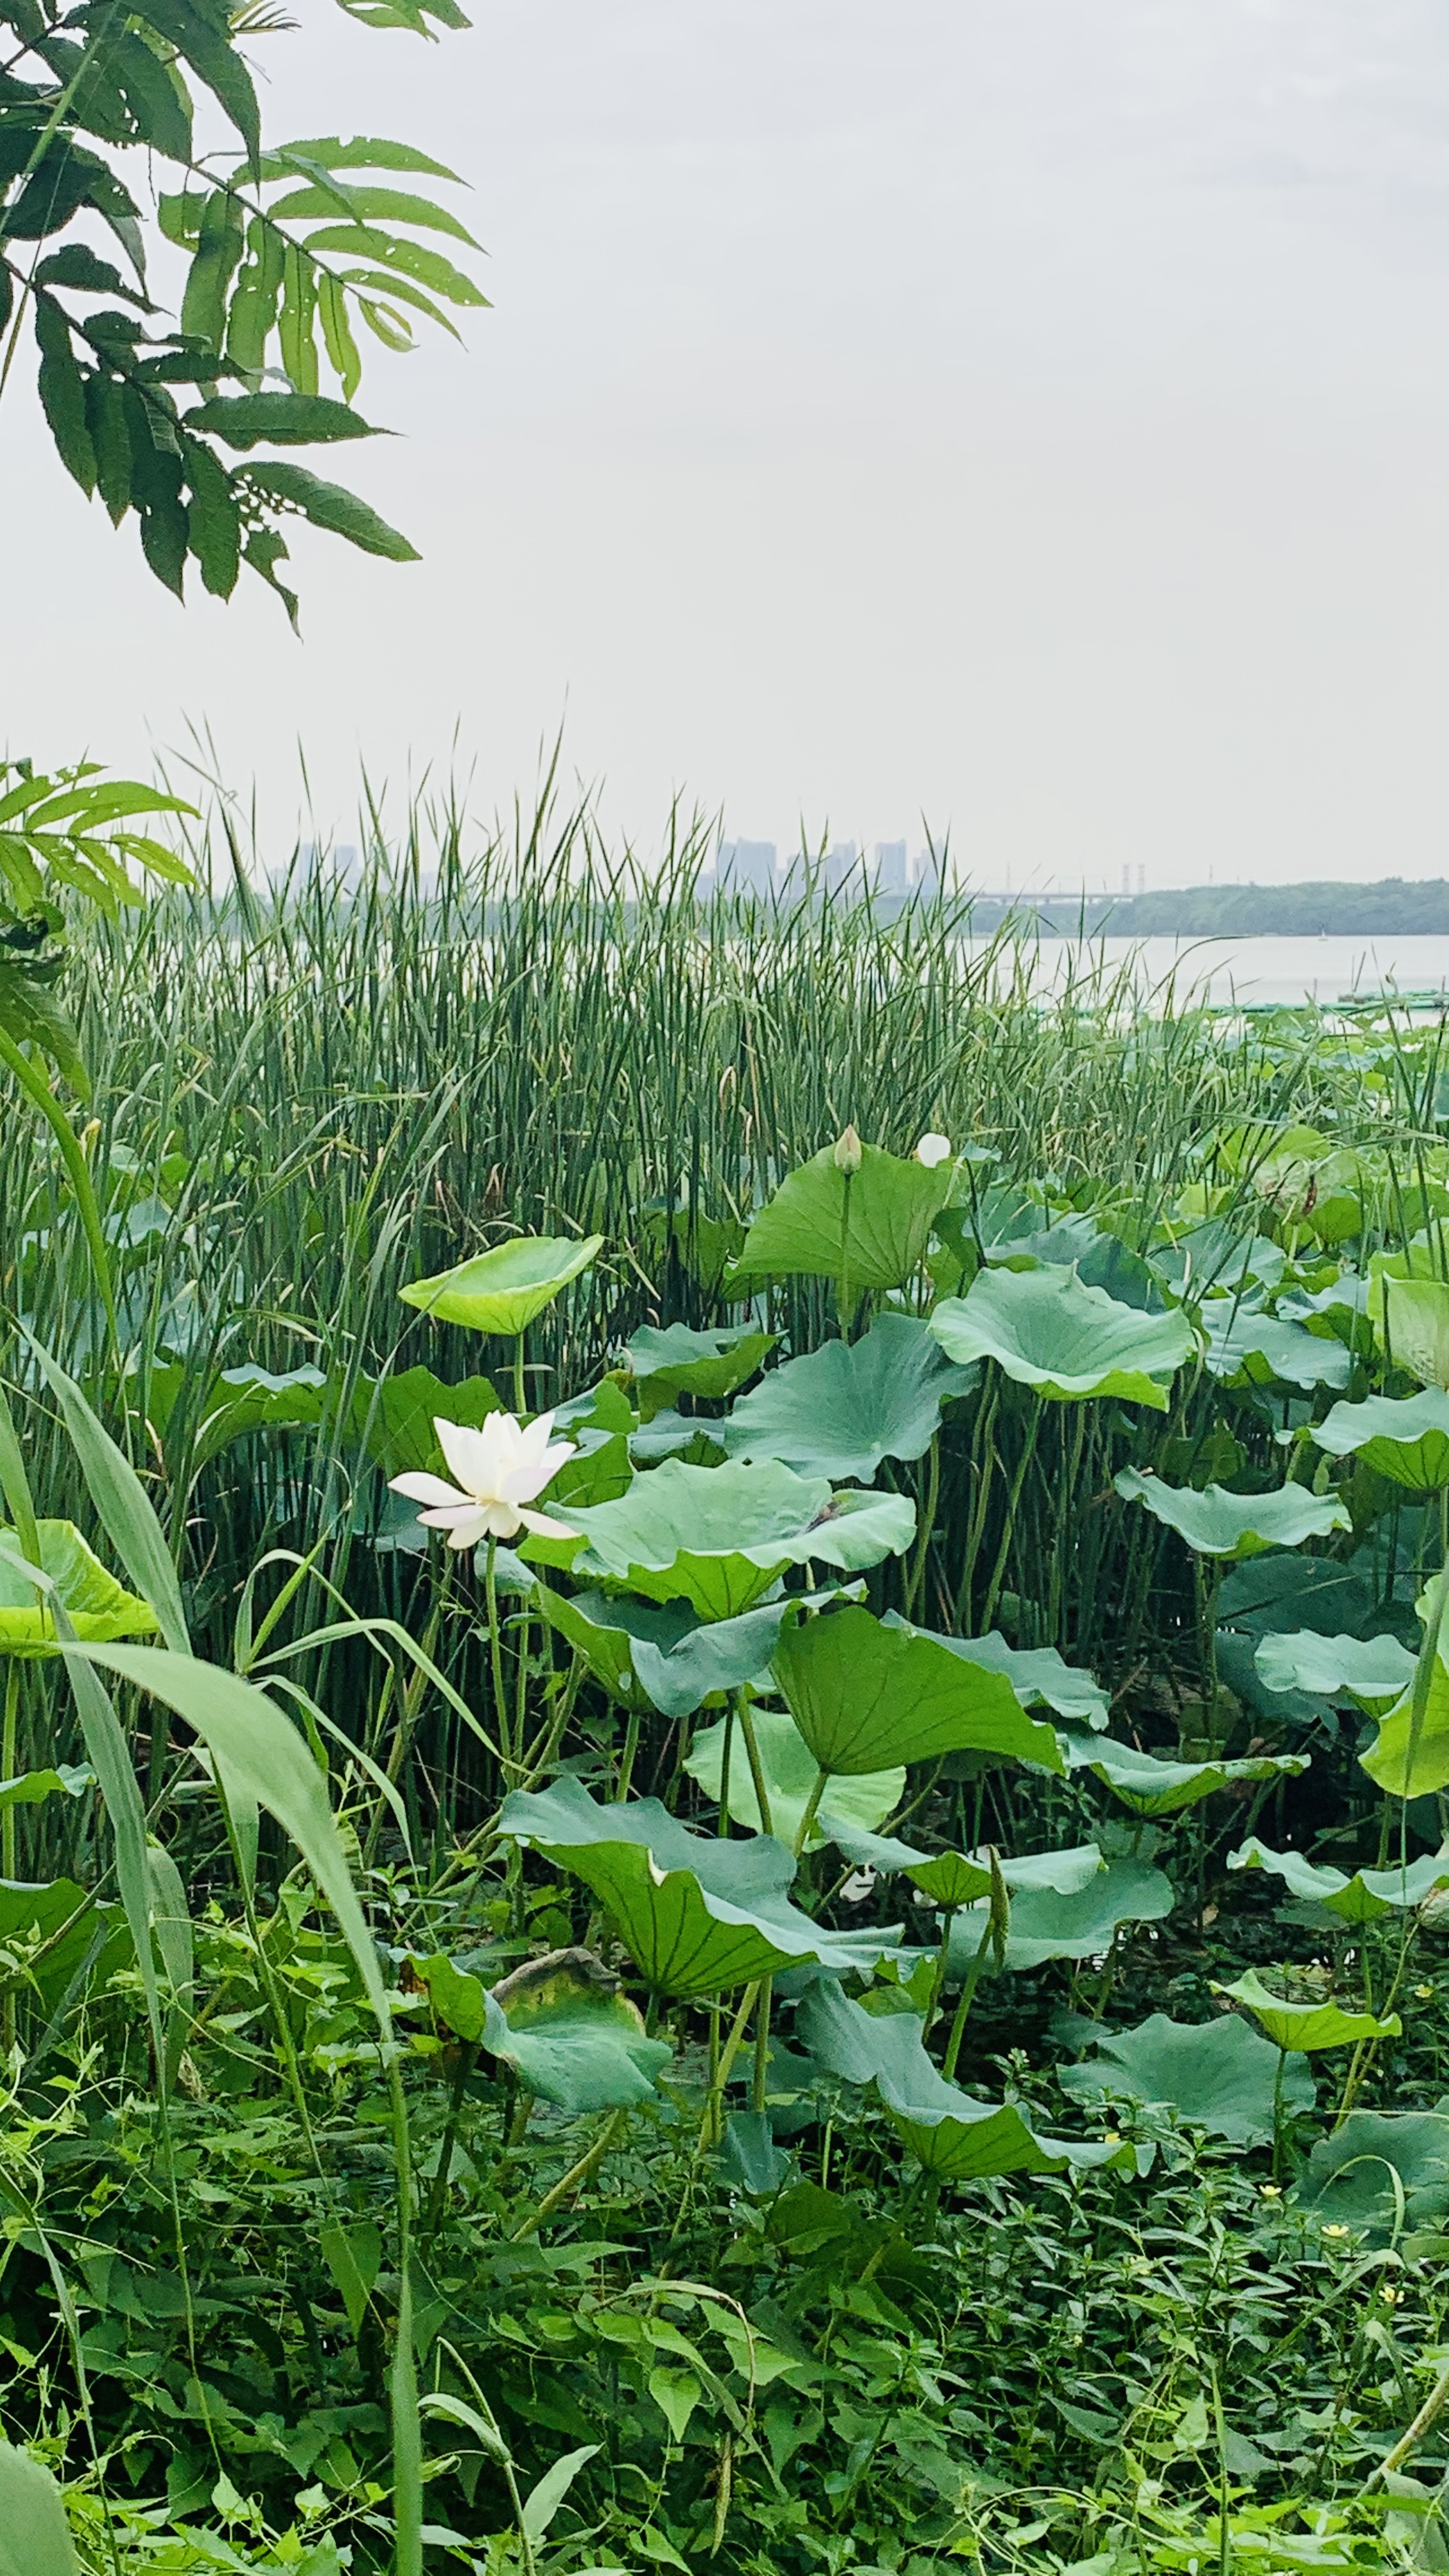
500	1468
933	1150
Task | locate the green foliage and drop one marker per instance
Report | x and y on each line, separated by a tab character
1216	1523
843	1410
1215	2075
504	1290
1067	1342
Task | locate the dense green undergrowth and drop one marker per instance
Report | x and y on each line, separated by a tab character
443	2127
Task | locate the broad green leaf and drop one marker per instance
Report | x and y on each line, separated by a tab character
790	1772
936	1873
261	1753
1404	1438
719	1537
1268	1595
1372	1671
1215	1523
1306	2027
1409	1763
607	1633
1068	1342
371	205
353	2256
697	1912
34	1918
866	1697
676	2393
31	1788
543	2500
34	2534
1216	2075
880	1227
1037	1674
666	1365
562	2021
122	1503
502	1291
1048	1925
278	420
1411	1320
1154	1788
393	1417
98	1606
1381	2172
949	2132
328	505
841	1410
1246	1349
239	1401
1358	1898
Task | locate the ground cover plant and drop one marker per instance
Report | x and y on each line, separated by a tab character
725	1721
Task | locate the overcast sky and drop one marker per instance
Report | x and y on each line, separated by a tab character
1029	416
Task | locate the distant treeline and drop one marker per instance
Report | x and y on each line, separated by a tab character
1397	904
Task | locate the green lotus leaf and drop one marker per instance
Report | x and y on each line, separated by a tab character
887	1221
719	1537
393	1417
1245	1349
1380	2172
1211	1255
865	1697
32	1788
949	2132
1037	1674
58	1922
1359	1898
1412	1762
1154	1788
1374	1671
502	1291
841	1410
1266	1596
235	1402
1411	1320
1304	2028
1065	1872
1216	1523
697	1912
1405	1438
1068	1342
607	1633
790	1771
562	2021
98	1607
1047	1925
1216	2075
675	1362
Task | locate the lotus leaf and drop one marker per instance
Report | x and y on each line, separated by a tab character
841	1410
607	1633
866	1697
1410	1761
502	1291
949	2132
393	1418
1216	2075
886	1218
237	1401
1216	1523
750	2158
31	1788
97	1605
1247	1349
1037	1674
562	2021
1404	1438
1212	1255
59	1921
1267	1595
1067	1872
719	1537
1371	1670
34	2530
1380	2172
1307	2027
675	1362
790	1772
1154	1788
1411	1319
698	1912
1047	1925
1358	1898
1067	1341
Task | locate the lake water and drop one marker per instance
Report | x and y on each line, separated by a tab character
1261	970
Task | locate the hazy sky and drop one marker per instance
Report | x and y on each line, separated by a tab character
1029	415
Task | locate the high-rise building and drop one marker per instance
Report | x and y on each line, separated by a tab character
890	868
747	867
842	861
930	872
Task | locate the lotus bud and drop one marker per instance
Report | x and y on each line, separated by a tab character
933	1150
848	1152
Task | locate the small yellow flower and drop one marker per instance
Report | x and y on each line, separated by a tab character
1335	2231
1271	2191
1390	2297
1113	2138
1424	1993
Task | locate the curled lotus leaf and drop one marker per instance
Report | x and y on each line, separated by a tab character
563	2021
677	1361
1410	1318
947	2130
1217	1523
1250	1349
1405	1438
1068	1342
1373	1671
874	1231
1409	1756
32	1788
940	1875
720	1537
789	1771
841	1410
1151	1787
502	1291
99	1608
1216	2075
1045	1924
697	1912
1305	2028
866	1696
1039	1676
1357	1897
